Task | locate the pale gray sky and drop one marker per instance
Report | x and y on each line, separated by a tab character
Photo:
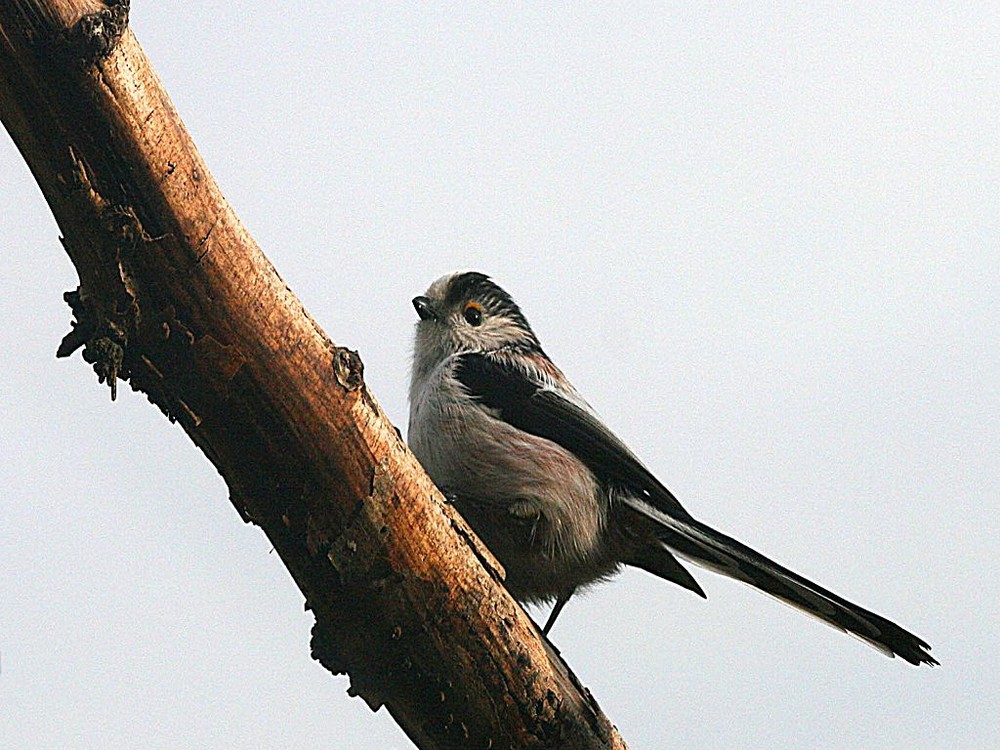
762	242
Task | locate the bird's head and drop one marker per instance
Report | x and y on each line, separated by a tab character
467	311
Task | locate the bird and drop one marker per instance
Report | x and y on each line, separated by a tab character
553	493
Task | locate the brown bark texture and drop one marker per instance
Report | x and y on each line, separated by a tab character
177	299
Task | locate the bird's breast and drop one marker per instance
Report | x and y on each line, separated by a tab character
533	502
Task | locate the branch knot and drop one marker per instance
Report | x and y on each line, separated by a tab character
348	368
94	36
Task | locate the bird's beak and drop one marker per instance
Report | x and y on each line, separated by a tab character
425	308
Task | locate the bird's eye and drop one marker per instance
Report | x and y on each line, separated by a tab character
473	314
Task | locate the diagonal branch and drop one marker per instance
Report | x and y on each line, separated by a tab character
176	298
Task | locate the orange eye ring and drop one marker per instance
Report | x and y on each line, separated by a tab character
473	313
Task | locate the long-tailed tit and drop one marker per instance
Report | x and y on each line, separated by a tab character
553	493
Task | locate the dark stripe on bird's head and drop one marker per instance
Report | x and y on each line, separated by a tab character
478	287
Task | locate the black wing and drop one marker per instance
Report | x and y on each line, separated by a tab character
526	401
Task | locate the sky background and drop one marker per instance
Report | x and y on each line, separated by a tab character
764	244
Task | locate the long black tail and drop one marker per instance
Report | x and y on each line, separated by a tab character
705	546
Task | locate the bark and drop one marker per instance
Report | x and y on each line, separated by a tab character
177	299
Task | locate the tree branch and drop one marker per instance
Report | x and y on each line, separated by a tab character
176	298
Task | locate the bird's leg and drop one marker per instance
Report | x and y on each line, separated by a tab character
556	609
